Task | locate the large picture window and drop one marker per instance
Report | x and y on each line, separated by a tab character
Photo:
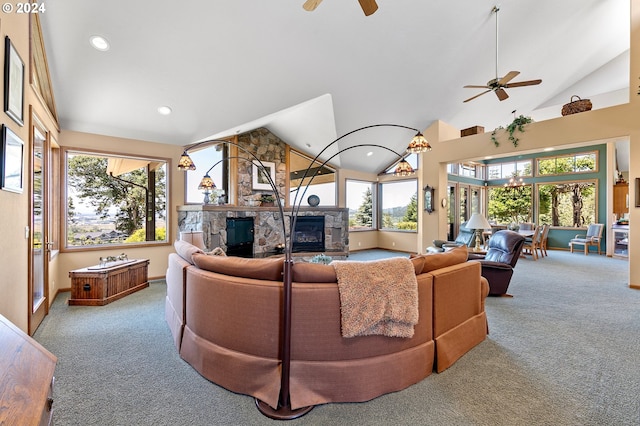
569	204
114	200
359	196
400	205
204	158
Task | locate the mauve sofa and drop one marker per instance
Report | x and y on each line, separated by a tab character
225	313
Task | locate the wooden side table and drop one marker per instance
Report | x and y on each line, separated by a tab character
97	286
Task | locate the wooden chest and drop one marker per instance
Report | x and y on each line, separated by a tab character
97	286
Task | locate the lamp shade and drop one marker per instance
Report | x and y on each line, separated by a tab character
478	221
404	169
185	162
419	144
193	237
206	183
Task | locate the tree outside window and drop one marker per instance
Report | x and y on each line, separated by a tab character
114	200
569	204
359	197
400	205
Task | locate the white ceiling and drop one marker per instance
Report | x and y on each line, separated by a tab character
225	67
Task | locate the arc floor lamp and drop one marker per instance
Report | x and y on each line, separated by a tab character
418	144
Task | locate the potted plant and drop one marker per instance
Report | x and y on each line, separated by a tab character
267	200
518	124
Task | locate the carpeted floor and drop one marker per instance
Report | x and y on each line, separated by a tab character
563	351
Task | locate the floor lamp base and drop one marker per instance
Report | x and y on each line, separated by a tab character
282	413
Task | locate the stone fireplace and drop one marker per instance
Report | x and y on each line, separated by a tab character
308	234
212	220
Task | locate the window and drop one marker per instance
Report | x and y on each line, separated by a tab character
114	200
472	170
204	159
412	159
400	205
359	196
568	164
510	169
323	184
570	204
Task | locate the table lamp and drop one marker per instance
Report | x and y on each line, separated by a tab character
478	223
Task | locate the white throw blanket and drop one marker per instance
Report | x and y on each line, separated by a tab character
378	297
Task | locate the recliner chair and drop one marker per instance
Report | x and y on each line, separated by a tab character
466	237
497	266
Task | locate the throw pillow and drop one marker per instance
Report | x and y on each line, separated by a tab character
433	261
186	250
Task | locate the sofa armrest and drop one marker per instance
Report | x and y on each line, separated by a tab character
495	265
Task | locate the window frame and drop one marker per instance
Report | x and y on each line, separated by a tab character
64	223
374	202
572	172
380	205
593	181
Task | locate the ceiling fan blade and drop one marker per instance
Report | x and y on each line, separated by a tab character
501	94
368	6
471	86
479	94
311	5
523	83
510	76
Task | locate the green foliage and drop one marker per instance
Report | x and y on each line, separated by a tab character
406	226
139	235
517	124
88	180
364	215
570	204
411	214
505	206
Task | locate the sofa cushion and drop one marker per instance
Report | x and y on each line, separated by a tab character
186	250
418	263
433	261
303	272
260	269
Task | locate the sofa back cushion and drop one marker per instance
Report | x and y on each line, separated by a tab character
260	269
303	272
186	250
433	261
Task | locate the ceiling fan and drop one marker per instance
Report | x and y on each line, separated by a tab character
368	6
498	84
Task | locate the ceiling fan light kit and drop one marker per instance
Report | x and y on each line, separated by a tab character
498	84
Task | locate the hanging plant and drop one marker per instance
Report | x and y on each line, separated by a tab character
518	124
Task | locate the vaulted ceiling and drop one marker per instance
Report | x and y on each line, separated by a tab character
226	67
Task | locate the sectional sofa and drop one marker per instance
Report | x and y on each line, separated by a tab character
225	315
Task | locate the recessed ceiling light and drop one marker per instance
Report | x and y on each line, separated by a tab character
369	154
488	157
549	149
99	43
164	110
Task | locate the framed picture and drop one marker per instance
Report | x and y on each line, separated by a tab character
11	161
429	193
260	181
13	83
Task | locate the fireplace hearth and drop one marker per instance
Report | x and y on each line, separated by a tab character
308	234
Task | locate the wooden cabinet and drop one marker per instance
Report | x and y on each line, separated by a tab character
26	378
98	286
620	199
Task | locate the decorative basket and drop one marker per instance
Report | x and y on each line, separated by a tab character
574	107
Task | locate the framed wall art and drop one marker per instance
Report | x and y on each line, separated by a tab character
260	181
13	83
11	170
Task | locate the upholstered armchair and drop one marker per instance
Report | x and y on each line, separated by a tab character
465	238
592	238
497	266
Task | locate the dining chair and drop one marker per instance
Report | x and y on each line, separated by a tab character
591	238
543	239
532	245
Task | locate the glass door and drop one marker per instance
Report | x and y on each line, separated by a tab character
38	290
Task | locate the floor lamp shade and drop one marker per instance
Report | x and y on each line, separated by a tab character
193	237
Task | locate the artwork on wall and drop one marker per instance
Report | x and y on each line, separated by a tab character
11	161
13	83
260	181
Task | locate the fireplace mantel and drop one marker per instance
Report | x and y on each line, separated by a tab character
211	219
